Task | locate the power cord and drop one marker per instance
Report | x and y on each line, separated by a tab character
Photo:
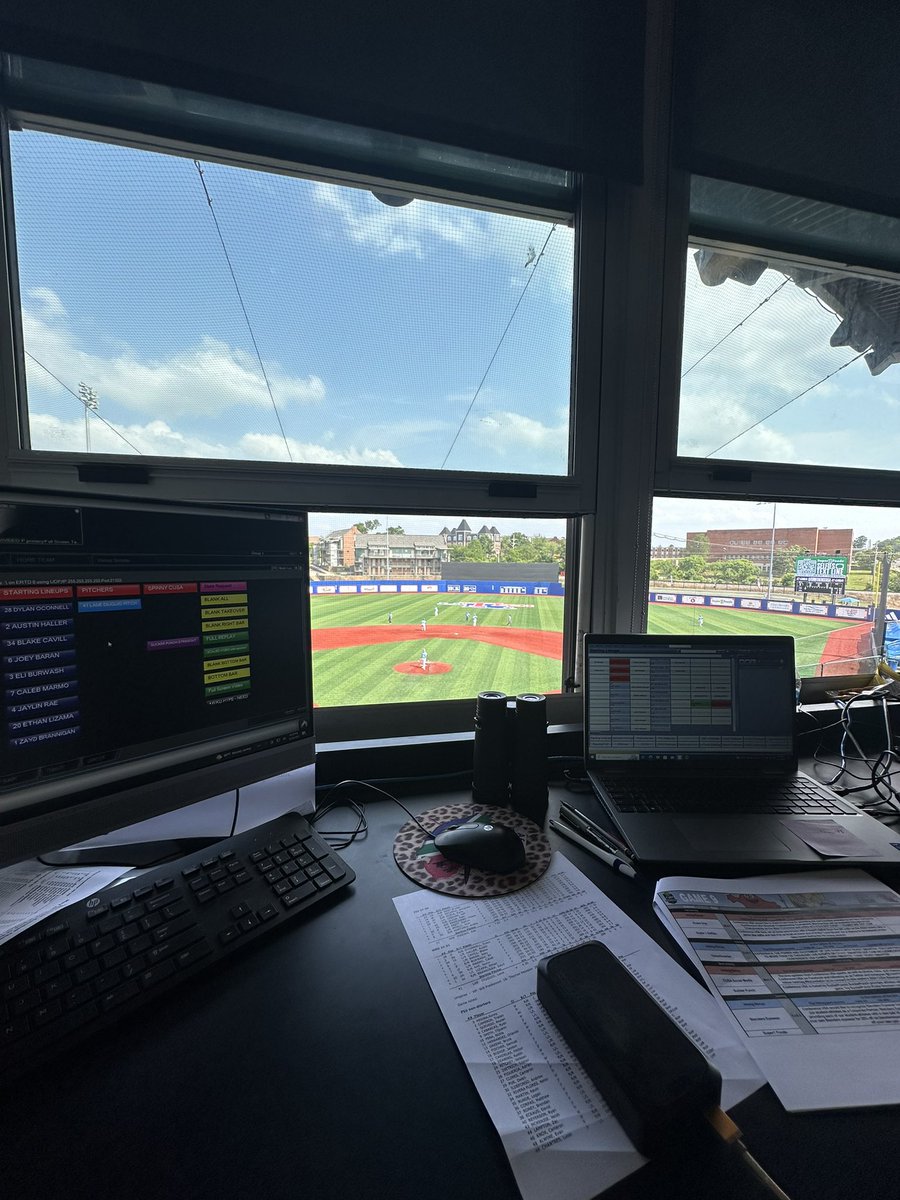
340	839
726	1129
878	774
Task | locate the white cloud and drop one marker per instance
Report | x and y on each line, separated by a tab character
397	230
710	419
516	431
418	228
46	303
204	380
269	446
156	437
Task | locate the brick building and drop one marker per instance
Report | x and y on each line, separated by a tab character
756	544
336	549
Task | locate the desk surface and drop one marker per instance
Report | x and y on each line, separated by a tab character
318	1064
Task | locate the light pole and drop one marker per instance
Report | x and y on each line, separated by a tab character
91	402
772	552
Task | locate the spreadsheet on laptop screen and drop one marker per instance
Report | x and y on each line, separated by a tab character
679	702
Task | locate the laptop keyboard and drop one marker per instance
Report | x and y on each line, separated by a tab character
712	796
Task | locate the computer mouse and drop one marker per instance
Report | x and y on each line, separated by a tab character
497	849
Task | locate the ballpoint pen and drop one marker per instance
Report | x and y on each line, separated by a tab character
611	860
585	825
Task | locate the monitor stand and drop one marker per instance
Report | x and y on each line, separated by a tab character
129	854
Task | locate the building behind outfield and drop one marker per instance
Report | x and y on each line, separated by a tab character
756	544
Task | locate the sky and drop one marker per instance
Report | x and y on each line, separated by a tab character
314	323
243	314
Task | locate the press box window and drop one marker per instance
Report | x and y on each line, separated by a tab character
187	308
787	356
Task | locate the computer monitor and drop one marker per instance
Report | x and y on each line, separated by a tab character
150	656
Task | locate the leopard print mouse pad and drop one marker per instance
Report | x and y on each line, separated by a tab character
417	858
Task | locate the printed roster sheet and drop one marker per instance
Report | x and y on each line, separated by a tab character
480	958
807	966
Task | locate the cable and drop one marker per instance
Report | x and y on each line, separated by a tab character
499	344
237	804
765	300
237	289
780	407
94	413
340	839
725	1128
360	809
878	775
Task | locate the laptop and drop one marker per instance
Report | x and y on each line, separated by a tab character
690	745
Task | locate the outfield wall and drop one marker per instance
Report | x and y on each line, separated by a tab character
436	587
799	608
852	612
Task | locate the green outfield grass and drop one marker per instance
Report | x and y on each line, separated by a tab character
809	633
366	675
528	612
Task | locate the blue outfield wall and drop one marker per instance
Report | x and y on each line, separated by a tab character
853	612
798	608
484	587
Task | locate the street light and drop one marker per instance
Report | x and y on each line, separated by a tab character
772	552
91	402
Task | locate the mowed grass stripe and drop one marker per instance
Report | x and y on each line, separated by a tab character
366	675
809	633
526	612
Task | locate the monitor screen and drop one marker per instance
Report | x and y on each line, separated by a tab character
149	656
690	701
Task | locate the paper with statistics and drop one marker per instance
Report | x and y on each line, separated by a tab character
29	892
807	966
480	958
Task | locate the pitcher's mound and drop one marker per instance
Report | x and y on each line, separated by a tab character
415	668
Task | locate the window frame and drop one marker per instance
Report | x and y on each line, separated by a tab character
321	487
722	478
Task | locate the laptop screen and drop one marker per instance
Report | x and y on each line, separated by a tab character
709	702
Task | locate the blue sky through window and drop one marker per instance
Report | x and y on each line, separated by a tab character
382	331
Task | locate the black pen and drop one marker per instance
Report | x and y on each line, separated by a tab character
611	860
589	827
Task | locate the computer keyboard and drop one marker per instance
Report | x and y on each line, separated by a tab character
797	796
94	961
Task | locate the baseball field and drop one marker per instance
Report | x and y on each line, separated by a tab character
377	649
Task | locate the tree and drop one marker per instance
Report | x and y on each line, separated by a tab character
863	559
735	571
690	566
784	560
397	530
367	526
699	545
661	569
517	547
549	550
